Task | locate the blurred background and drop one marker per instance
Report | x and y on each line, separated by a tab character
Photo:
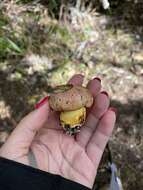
43	43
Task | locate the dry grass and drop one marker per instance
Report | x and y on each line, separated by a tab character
38	52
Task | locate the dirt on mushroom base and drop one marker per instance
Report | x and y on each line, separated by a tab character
53	52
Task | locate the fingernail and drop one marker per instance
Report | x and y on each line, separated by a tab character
41	102
96	78
113	109
104	92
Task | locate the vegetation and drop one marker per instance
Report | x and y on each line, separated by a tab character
43	43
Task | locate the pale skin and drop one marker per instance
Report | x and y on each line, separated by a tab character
75	158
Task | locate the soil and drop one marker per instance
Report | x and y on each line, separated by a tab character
109	46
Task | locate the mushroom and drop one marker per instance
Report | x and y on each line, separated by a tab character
71	101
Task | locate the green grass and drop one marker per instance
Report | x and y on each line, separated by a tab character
10	46
8	43
24	1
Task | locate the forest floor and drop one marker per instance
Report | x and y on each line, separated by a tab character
38	52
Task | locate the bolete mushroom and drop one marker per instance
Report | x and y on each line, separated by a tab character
71	101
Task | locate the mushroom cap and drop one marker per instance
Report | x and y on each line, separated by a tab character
69	98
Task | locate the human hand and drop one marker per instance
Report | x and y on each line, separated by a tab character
75	158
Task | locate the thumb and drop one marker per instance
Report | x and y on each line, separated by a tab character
21	138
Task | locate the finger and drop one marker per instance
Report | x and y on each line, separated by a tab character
100	106
76	79
21	138
94	86
99	139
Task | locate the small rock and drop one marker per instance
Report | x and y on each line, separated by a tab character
138	56
131	146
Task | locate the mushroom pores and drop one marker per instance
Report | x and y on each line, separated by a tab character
71	101
72	121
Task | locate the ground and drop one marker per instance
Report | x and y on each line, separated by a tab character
38	52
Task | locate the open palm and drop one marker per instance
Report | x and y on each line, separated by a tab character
73	157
